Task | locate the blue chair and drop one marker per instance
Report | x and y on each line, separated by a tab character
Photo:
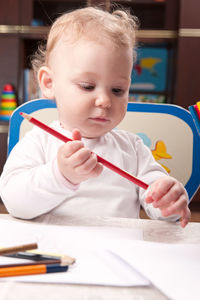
42	109
168	130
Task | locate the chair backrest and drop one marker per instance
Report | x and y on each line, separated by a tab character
42	109
168	130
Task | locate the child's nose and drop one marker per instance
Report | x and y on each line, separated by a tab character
103	100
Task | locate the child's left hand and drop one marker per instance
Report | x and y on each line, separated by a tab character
169	195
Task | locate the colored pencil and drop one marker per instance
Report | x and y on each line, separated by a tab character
100	159
15	249
195	117
50	255
32	270
33	263
198	105
197	110
37	257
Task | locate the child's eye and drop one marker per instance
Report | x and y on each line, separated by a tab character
88	87
118	91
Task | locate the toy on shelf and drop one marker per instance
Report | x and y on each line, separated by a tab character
8	102
195	112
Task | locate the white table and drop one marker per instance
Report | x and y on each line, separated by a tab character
157	231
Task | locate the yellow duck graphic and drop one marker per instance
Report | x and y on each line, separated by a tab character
159	152
147	63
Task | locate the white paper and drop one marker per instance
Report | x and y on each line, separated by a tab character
173	268
111	256
94	264
60	238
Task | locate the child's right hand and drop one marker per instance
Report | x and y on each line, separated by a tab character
76	162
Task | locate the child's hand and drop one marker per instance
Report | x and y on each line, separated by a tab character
76	162
169	195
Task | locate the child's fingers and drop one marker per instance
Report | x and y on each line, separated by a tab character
178	208
97	170
170	197
87	165
173	195
159	188
175	207
76	135
80	157
70	148
67	149
185	217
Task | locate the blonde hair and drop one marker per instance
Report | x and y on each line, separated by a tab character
92	23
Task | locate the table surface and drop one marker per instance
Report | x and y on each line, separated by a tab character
157	231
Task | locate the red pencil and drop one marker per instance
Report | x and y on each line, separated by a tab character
100	159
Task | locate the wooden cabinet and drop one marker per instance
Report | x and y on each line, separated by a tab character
161	22
188	62
174	22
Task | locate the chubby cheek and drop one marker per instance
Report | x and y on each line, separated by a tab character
72	113
120	113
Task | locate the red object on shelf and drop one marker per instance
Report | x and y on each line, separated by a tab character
8	88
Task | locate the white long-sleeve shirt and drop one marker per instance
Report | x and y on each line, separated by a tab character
32	185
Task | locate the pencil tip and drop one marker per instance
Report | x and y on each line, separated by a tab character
25	116
67	260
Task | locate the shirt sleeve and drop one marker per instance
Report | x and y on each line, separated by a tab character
30	184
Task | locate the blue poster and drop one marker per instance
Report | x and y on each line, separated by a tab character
150	70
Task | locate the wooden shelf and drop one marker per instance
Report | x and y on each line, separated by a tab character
4	128
189	32
23	29
40	31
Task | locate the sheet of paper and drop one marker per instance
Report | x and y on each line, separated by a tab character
173	268
94	264
60	238
110	256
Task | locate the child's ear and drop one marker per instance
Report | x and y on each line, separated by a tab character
45	79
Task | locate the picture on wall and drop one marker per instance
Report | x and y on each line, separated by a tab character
150	70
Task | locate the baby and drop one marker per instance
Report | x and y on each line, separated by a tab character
86	67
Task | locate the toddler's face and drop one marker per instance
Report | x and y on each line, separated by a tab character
90	84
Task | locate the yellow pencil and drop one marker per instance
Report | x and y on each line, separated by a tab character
198	105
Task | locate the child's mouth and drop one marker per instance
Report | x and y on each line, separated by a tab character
99	119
